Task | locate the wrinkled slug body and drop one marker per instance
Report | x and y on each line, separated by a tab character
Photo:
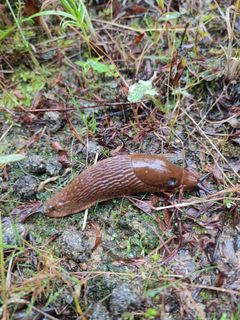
116	177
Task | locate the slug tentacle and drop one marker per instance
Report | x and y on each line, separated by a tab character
116	177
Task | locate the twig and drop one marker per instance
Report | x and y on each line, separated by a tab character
229	291
86	211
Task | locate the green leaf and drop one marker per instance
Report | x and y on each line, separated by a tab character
151	313
170	16
84	65
11	158
97	66
228	203
138	90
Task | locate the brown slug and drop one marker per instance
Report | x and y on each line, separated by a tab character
119	176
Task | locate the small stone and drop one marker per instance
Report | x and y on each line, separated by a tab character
124	297
3	186
100	312
36	164
26	187
75	245
91	148
54	167
12	233
54	121
64	298
234	123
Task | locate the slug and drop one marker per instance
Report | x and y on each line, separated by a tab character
119	176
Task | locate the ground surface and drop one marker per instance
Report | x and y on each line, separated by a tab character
65	100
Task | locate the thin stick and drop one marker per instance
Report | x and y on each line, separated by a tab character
229	291
210	198
6	132
140	30
86	211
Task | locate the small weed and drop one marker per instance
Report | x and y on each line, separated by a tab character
151	313
127	316
98	67
76	15
19	27
89	122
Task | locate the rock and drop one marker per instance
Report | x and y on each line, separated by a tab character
54	121
64	298
91	148
75	245
12	233
26	186
36	164
100	312
3	185
124	297
234	123
54	167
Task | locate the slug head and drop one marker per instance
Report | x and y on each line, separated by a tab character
157	171
65	202
55	207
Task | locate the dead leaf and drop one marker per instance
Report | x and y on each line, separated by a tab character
136	9
138	39
3	16
167	218
63	155
57	147
116	151
5	173
36	100
180	70
26	210
31	7
116	8
35	138
93	225
154	200
145	206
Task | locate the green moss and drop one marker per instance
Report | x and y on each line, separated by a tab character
230	150
28	82
205	295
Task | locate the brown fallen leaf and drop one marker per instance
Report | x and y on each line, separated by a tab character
3	16
145	206
137	39
63	155
26	210
117	150
93	225
116	8
135	8
37	98
31	7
